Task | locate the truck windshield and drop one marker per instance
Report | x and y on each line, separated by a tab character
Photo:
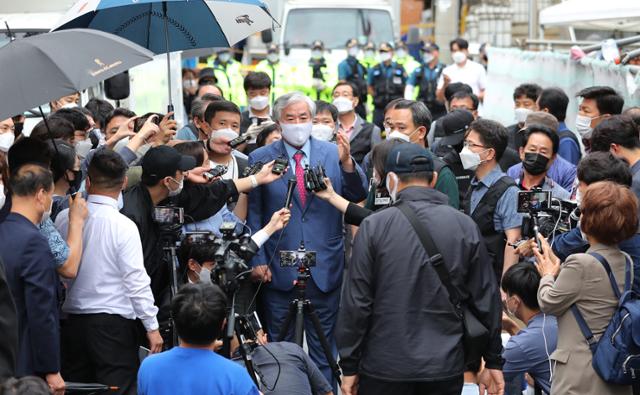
336	26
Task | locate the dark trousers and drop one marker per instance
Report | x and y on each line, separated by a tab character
100	348
371	386
276	307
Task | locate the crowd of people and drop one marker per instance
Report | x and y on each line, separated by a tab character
421	228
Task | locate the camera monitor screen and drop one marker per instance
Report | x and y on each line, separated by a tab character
533	201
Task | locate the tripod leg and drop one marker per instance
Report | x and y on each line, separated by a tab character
323	341
299	322
284	329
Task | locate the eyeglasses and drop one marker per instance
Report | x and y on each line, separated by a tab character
469	144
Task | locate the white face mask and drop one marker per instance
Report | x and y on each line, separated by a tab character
398	136
369	54
401	53
583	126
176	192
458	57
521	114
120	201
6	141
322	132
226	132
353	51
427	57
273	57
343	104
316	54
259	102
578	197
296	134
3	197
47	214
224	57
70	105
384	56
393	193
83	147
470	160
205	276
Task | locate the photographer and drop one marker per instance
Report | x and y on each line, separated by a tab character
111	290
199	311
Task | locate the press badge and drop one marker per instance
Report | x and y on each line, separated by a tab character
382	200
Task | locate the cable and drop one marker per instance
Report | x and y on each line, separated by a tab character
553	233
275	249
275	383
546	347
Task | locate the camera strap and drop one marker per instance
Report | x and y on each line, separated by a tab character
436	259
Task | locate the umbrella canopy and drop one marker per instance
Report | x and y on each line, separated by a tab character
191	24
38	69
593	14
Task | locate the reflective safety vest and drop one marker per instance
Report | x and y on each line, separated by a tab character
317	80
282	77
408	62
229	78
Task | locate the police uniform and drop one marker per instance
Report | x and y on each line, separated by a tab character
426	79
317	80
280	73
388	83
229	78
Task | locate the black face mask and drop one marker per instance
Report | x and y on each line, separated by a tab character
534	163
74	185
18	128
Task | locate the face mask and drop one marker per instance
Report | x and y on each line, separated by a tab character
47	214
224	57
259	102
458	57
188	84
322	132
427	57
177	191
470	160
120	201
384	56
83	147
226	132
3	197
353	51
521	114
535	164
205	276
273	57
506	307
316	55
398	136
578	197
70	105
401	53
6	141
296	134
583	126
369	54
77	180
343	104
394	191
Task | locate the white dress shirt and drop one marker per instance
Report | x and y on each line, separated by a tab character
111	278
472	74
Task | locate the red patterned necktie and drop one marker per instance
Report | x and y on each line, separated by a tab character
302	192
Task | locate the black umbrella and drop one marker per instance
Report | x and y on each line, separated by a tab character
87	388
38	69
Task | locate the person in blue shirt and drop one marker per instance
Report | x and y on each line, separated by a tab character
353	71
529	348
426	78
555	102
387	81
198	311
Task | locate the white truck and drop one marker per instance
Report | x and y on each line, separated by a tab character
333	22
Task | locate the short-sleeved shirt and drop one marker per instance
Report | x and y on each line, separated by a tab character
386	70
427	73
529	350
557	192
58	245
193	371
472	74
506	215
345	68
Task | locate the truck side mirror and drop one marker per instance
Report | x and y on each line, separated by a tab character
266	36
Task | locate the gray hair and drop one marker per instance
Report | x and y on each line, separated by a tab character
421	115
199	104
288	99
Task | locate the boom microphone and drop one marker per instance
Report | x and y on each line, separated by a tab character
291	186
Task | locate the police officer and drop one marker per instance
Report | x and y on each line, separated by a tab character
386	81
369	59
318	78
228	74
353	71
404	59
425	77
280	73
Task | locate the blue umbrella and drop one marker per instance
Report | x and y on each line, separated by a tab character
172	25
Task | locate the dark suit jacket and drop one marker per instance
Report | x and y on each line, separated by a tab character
33	281
318	223
8	329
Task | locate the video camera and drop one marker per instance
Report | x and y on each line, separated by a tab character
549	215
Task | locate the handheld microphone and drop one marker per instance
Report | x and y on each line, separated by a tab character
291	186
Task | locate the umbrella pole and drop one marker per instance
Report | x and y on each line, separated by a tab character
166	42
55	147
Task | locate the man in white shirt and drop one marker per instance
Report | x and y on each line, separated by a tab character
112	288
462	70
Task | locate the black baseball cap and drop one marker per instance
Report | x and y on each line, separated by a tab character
408	158
164	161
317	44
454	126
206	74
428	47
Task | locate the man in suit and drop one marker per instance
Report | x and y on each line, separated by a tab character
9	327
31	274
313	222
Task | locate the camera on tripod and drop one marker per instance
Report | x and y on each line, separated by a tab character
168	216
299	258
